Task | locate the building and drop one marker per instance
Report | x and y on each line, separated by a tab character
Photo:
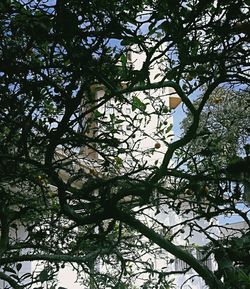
148	147
136	125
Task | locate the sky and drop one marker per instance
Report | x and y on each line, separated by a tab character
178	116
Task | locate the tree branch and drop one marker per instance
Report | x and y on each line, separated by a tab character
12	282
52	258
210	279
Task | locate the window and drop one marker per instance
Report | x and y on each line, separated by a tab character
180	265
201	255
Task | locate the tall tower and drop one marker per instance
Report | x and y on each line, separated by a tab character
136	126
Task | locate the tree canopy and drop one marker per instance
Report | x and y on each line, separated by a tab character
80	188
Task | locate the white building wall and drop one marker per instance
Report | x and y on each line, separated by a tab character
23	269
158	98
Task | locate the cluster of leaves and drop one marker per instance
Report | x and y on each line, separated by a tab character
75	187
218	158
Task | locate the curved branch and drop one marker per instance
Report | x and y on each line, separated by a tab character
12	282
158	85
191	132
211	280
52	258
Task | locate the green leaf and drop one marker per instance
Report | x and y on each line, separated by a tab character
225	264
97	114
124	63
9	269
43	276
157	75
18	266
112	117
126	42
137	103
123	60
117	121
243	276
14	276
118	161
169	129
120	286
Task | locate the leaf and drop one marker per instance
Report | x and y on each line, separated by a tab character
18	266
117	121
14	276
169	129
243	277
124	63
126	42
112	117
120	286
9	269
97	114
157	75
118	161
137	103
123	60
225	264
43	276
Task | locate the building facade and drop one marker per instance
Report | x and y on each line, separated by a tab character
136	124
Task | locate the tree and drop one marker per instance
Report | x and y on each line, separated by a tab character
63	65
220	152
